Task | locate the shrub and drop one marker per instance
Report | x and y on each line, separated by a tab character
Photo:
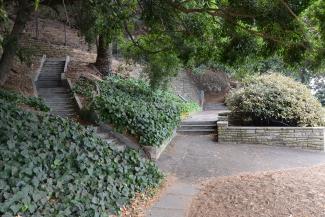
34	102
50	166
131	105
275	99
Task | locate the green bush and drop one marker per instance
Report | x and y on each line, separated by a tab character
18	99
50	166
131	105
274	99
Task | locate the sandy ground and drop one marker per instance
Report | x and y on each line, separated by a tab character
289	193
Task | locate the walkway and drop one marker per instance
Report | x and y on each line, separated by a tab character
196	158
204	116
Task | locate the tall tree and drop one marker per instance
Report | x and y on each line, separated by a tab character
101	22
10	44
23	12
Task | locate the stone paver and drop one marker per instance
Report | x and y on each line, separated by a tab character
195	158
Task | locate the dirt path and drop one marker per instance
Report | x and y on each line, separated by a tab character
289	193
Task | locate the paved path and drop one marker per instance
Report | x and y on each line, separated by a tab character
204	116
195	158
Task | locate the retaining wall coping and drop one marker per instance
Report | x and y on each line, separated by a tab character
276	128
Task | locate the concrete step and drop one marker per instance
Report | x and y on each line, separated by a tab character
199	123
197	127
193	127
48	84
54	89
52	68
51	71
59	102
56	79
55	107
52	76
55	59
196	131
58	98
54	63
217	106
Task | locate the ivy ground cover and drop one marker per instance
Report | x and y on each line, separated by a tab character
50	166
131	105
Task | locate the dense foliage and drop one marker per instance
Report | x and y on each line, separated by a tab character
273	99
248	36
165	35
318	86
50	166
18	99
130	105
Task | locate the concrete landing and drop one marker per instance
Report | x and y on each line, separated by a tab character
204	116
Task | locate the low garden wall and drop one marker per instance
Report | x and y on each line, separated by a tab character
299	137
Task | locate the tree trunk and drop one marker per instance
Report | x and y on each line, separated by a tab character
10	47
104	56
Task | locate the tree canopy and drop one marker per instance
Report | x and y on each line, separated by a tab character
168	34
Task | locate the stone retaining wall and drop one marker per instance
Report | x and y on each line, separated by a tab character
299	137
184	86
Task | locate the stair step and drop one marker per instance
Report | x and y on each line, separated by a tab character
59	102
51	69
54	89
199	123
49	79
50	96
56	107
54	63
50	76
197	131
72	112
196	128
48	85
51	73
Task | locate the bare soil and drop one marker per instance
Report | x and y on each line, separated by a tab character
290	193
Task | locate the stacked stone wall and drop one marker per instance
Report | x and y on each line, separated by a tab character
299	137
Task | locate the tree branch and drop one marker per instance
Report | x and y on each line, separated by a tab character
136	43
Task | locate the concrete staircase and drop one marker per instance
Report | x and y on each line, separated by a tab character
214	106
107	136
54	91
197	127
